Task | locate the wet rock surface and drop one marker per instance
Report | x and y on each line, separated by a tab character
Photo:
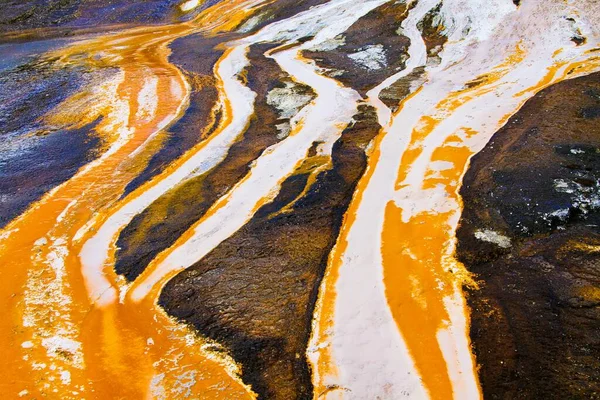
372	49
165	220
107	292
30	14
36	156
530	234
275	263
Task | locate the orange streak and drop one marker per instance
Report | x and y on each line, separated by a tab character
121	347
418	272
416	284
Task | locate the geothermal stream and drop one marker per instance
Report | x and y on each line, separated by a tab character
390	321
67	347
322	120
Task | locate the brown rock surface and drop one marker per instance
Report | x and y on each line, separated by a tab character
380	28
536	318
274	264
165	220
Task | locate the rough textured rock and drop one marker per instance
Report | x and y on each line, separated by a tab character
170	216
536	318
275	263
372	49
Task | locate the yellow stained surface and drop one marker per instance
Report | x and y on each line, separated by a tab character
56	342
418	272
59	344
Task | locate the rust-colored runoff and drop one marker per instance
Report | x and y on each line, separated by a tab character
418	273
56	341
59	343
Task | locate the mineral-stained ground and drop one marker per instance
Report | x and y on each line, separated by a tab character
300	199
529	230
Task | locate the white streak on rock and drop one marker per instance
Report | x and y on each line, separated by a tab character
322	120
189	5
147	99
371	57
95	252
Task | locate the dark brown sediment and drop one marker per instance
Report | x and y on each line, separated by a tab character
392	95
535	321
274	264
196	55
377	28
165	220
433	31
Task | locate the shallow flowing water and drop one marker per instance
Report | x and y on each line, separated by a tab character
390	320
